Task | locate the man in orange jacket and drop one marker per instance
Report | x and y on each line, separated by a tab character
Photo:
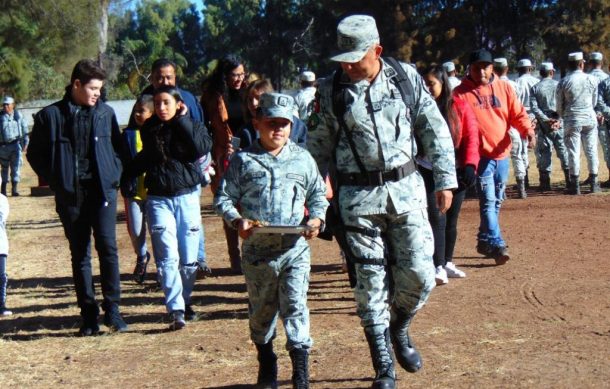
497	109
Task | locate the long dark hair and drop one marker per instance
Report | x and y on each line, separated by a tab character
217	80
445	101
159	131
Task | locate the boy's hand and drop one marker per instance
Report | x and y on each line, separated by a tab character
315	228
243	227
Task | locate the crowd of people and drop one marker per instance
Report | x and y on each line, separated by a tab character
399	149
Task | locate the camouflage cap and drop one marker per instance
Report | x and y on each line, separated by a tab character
275	105
575	56
501	62
596	56
355	36
449	66
547	66
524	63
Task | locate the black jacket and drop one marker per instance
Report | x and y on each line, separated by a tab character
169	156
51	150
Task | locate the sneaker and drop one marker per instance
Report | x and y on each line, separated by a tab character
483	248
178	321
4	311
190	314
440	275
203	270
139	272
453	272
114	321
89	329
500	254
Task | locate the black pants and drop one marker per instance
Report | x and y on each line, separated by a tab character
444	227
91	214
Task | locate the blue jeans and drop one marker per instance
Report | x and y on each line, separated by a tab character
492	177
136	225
175	225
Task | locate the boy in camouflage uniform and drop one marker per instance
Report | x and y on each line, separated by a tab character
271	181
384	208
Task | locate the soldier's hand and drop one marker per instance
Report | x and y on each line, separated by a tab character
443	200
531	138
243	227
314	230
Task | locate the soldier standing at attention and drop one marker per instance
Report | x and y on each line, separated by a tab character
525	81
13	141
270	182
550	129
603	112
497	109
450	69
381	196
304	98
576	98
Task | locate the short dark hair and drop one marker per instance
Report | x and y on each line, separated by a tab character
544	73
86	70
146	100
573	65
163	63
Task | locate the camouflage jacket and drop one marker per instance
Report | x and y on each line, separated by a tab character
576	98
543	100
603	99
381	126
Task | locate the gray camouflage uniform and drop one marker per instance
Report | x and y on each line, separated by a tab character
576	98
274	189
303	102
542	102
603	106
382	131
518	153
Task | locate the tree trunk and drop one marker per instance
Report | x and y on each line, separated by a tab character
103	32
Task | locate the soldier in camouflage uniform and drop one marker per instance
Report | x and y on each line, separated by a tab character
271	181
384	208
549	131
603	110
576	98
304	98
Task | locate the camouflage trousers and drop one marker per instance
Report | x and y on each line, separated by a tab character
573	137
406	242
278	287
604	141
545	141
518	154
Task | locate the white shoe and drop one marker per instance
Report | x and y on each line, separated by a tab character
453	272
440	275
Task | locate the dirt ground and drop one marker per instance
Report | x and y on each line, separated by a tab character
542	320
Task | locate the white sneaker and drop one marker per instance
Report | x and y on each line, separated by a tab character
453	272
440	276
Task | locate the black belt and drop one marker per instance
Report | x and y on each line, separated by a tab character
9	143
377	178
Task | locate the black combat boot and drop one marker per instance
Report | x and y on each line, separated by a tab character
381	354
3	188
300	368
595	188
545	180
4	311
267	367
566	176
521	188
574	187
526	180
14	191
404	350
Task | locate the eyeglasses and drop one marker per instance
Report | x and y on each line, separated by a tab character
237	75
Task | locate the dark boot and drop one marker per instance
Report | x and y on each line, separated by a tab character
381	354
14	191
3	188
89	325
526	180
267	367
4	311
566	176
574	187
521	188
300	369
595	188
545	180
406	354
